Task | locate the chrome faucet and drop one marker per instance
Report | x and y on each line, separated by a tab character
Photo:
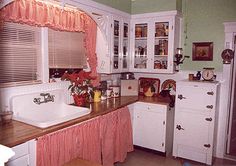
46	98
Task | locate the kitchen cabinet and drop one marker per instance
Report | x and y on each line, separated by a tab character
113	52
152	126
195	120
120	43
25	154
154	38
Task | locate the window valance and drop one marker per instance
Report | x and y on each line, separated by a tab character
37	13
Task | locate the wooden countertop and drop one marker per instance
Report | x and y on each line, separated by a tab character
17	132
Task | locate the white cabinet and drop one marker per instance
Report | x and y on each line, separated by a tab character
25	154
113	52
120	44
195	116
153	126
154	38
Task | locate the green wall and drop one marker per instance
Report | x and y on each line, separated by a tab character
147	6
204	19
123	5
202	22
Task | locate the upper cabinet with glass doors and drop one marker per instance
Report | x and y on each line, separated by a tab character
154	38
120	43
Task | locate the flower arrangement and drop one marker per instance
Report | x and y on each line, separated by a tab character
81	87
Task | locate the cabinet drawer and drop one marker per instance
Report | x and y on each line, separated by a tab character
150	107
196	97
20	150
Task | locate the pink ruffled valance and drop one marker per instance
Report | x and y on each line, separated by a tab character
36	13
41	14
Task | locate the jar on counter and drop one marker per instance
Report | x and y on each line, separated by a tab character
115	91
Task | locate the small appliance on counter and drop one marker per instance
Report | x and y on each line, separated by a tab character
129	87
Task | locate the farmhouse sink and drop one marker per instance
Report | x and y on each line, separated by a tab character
45	114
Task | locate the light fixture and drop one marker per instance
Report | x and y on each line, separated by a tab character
179	58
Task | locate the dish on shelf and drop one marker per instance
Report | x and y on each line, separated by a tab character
169	84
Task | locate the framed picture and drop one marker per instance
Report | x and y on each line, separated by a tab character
202	51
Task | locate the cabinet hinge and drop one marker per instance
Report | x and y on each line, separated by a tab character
164	122
162	144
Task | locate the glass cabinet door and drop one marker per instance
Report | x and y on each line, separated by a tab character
125	46
116	44
161	45
140	46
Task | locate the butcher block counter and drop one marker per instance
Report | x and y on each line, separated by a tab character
17	132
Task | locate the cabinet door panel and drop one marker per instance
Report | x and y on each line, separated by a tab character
195	129
149	130
195	98
116	44
22	161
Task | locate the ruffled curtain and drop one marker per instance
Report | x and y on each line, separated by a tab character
37	13
62	146
41	14
117	139
90	45
106	139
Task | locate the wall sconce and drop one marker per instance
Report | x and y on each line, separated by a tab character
179	58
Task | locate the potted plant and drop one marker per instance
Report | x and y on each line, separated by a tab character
81	87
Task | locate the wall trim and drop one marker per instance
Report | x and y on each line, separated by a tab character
230	30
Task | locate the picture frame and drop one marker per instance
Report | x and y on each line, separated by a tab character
202	51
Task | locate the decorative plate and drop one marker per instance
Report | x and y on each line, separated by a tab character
144	83
169	84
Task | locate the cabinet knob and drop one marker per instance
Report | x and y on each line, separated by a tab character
209	106
207	145
210	93
179	127
208	119
181	97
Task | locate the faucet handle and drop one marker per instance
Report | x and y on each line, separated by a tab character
37	100
52	97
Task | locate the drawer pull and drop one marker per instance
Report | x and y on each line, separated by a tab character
208	119
207	145
210	93
179	127
209	106
181	97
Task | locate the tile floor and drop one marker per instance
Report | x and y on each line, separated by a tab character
144	158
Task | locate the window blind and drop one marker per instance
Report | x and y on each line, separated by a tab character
66	49
20	54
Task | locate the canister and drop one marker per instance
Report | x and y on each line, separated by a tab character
115	91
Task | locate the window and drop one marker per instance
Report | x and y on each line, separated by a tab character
20	54
66	49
